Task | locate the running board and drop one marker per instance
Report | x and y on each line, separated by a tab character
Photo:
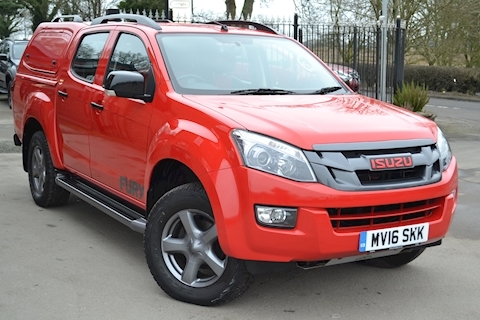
113	208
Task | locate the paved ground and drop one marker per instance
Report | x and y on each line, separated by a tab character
77	263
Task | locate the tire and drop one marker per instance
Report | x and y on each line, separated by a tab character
41	174
183	253
395	261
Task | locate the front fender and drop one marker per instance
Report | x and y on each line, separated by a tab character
199	148
203	151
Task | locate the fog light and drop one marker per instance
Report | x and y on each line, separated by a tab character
276	217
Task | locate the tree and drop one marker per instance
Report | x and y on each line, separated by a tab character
247	9
231	9
469	37
9	10
42	10
441	32
87	9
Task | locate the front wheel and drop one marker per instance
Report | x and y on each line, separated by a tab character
395	261
183	253
41	174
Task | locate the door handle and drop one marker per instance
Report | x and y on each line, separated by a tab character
62	93
96	105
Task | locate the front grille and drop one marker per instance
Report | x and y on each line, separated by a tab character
348	166
368	177
370	217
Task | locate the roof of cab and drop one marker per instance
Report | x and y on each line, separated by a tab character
75	23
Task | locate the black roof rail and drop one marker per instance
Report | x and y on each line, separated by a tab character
143	20
246	24
72	17
223	26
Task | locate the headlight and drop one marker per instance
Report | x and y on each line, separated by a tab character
273	156
444	149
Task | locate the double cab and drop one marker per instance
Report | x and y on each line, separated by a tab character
231	147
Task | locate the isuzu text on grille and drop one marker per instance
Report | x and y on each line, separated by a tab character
391	163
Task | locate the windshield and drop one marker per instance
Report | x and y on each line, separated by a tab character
243	64
18	49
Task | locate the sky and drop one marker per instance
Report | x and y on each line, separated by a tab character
276	8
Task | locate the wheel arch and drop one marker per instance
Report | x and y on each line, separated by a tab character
39	115
166	175
31	126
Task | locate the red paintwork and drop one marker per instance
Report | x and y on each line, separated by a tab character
129	137
236	191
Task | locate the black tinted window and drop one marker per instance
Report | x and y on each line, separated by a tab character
130	54
88	53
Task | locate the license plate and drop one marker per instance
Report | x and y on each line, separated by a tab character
393	237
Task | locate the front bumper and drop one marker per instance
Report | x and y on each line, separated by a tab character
235	191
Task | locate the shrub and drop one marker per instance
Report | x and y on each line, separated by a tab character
411	96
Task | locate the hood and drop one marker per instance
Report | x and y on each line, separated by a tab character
305	120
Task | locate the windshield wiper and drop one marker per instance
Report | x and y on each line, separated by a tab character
326	90
262	91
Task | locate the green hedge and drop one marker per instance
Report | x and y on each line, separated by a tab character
448	79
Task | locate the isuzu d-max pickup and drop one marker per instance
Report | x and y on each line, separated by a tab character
233	148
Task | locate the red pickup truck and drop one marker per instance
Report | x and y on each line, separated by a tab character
233	148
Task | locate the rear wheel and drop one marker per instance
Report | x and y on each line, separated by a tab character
41	174
183	253
395	261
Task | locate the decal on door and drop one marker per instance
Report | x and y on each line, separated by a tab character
131	187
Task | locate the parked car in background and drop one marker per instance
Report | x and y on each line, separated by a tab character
11	52
349	75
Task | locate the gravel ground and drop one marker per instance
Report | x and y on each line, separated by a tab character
9	147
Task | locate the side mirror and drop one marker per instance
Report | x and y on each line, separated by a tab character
353	84
349	80
126	84
3	57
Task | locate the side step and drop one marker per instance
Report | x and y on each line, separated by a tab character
113	208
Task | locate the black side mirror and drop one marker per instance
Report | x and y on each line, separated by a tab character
127	84
3	57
